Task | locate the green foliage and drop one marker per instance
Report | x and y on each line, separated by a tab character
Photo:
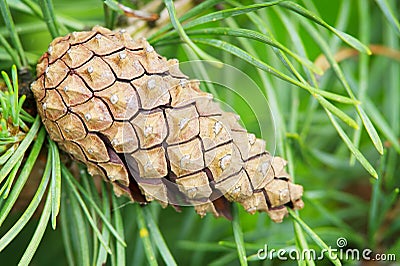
346	112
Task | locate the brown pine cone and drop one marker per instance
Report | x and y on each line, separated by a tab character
133	118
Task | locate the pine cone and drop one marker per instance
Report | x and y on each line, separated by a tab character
133	118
